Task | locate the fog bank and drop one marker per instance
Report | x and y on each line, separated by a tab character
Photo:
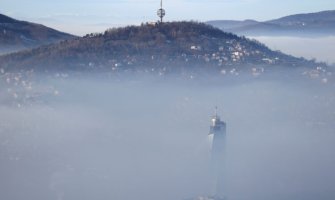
105	139
319	48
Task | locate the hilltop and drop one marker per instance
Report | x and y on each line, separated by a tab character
160	48
18	35
176	51
308	24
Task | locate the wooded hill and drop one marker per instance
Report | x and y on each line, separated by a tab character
162	47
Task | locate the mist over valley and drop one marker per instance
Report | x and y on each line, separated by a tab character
125	114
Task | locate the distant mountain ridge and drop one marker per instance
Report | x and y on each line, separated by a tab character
18	35
158	48
310	24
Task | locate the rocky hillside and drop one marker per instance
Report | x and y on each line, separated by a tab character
18	35
161	48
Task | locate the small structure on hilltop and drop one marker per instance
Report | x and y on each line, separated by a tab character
161	12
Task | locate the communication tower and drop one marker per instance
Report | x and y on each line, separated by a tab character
161	12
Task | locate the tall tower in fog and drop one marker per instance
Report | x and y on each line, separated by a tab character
217	134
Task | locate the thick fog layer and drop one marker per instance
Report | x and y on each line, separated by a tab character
320	48
92	138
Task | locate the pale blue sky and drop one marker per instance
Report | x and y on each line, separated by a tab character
85	16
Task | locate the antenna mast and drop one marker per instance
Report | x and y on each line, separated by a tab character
161	12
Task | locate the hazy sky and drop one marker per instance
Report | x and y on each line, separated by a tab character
84	16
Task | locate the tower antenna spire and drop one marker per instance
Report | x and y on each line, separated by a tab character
161	12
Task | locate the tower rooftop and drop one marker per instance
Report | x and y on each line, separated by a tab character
216	122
